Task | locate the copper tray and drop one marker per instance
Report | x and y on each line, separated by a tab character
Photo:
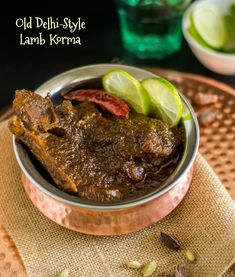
217	146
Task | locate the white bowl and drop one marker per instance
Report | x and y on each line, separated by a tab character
222	63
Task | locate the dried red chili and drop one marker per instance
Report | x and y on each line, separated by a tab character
109	102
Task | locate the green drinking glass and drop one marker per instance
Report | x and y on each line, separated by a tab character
151	28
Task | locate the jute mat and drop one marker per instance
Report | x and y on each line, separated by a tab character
204	222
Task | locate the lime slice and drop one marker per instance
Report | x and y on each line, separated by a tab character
193	32
165	100
210	25
123	85
185	113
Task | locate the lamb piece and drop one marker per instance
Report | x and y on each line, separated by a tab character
34	117
94	156
35	112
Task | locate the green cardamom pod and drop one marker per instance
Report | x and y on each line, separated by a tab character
149	269
64	273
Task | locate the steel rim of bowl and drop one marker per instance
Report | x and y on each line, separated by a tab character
61	196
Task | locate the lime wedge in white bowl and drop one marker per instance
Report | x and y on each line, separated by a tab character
221	60
126	87
165	100
210	25
193	32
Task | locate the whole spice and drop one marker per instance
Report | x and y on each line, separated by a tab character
170	241
64	273
133	264
180	271
107	101
190	256
149	269
207	117
202	99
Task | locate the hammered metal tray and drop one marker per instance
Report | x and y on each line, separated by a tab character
217	145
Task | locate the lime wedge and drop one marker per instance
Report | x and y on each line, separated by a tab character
165	100
123	85
210	25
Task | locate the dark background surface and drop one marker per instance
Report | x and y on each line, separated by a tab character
29	66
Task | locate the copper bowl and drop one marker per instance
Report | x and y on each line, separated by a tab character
105	218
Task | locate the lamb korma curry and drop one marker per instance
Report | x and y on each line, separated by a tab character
94	147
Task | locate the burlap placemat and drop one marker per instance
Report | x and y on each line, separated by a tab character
204	222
